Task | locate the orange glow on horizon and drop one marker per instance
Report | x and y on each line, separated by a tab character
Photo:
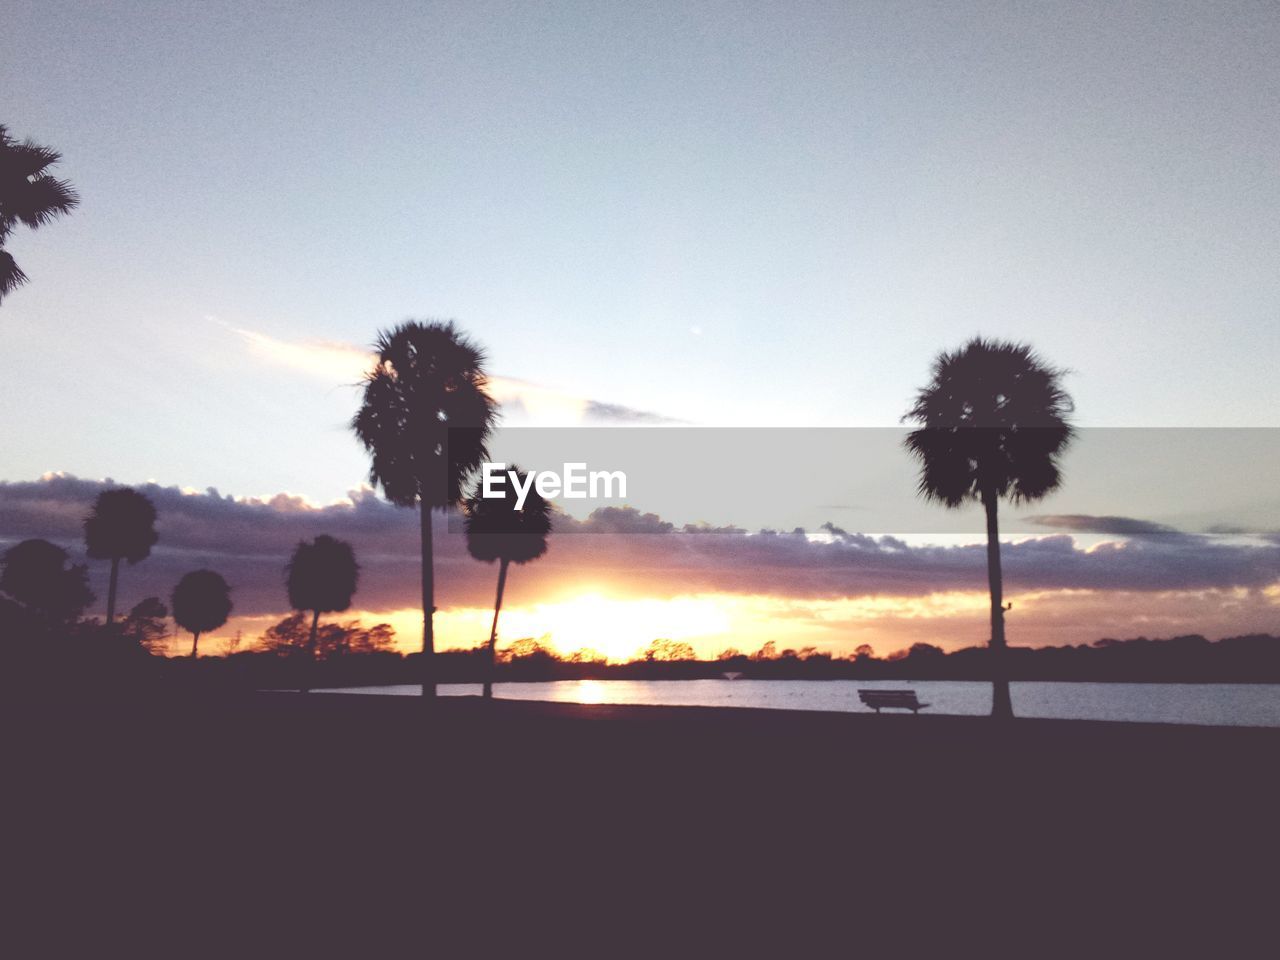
620	627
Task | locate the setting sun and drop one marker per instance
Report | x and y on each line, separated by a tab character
618	628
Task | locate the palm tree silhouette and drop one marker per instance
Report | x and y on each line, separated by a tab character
425	420
121	526
201	602
321	577
496	530
28	195
993	423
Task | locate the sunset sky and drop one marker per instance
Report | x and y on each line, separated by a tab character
698	215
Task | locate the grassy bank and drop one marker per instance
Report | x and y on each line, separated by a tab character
533	809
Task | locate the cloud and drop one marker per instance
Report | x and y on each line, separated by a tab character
613	520
709	528
1087	523
617	415
248	540
523	402
329	360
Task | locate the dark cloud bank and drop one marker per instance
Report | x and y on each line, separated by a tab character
248	542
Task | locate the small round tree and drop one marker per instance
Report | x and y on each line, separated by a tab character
121	526
321	577
201	602
497	530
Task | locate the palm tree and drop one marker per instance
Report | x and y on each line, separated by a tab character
321	577
425	421
497	530
121	526
201	602
993	423
28	195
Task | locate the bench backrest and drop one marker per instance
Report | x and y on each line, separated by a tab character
889	697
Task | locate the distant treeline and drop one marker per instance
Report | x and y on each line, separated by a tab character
1184	659
355	656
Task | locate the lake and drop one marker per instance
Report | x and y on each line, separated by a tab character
1214	704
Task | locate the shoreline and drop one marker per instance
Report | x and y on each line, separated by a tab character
827	729
1167	704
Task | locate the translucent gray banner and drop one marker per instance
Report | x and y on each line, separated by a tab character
1123	482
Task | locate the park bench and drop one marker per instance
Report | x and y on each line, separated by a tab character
879	700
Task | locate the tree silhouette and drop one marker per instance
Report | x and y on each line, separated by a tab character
321	577
293	634
993	423
497	530
425	420
28	196
121	526
38	578
145	624
669	650
201	602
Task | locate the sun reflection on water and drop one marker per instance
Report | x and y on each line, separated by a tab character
590	691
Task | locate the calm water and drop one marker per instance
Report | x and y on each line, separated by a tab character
1217	704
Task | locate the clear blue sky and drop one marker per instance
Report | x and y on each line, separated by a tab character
739	213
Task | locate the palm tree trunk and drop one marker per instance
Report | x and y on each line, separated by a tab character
1001	704
428	605
111	591
493	632
195	644
311	653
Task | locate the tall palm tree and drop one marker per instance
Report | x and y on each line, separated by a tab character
497	530
121	526
321	577
201	602
29	195
993	424
425	420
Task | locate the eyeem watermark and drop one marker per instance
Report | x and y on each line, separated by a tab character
575	482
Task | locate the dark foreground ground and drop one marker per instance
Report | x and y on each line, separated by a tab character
266	825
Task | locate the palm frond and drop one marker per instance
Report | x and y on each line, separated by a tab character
497	530
427	414
25	159
993	420
121	525
39	201
11	276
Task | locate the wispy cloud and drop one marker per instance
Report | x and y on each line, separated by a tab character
523	403
1117	526
326	359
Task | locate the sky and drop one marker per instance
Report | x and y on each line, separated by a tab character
623	578
722	214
